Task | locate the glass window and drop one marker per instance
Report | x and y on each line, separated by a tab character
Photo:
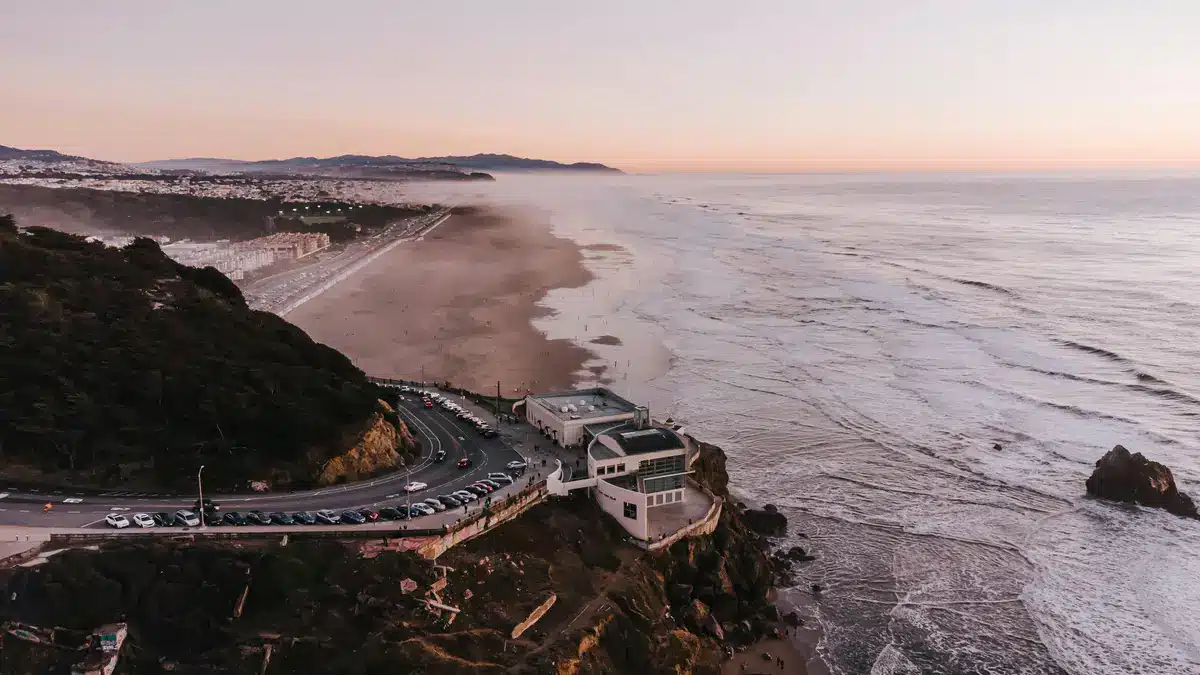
663	484
621	468
631	511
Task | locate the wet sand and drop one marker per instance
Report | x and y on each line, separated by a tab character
457	306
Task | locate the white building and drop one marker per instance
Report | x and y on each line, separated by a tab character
636	470
564	417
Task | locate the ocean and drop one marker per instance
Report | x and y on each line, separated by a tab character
920	371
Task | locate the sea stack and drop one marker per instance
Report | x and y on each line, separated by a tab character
1132	478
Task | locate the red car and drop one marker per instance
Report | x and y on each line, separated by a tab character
369	515
428	403
464	462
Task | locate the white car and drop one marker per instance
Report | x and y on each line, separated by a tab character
500	477
424	508
415	487
188	518
435	504
116	520
465	496
516	464
143	520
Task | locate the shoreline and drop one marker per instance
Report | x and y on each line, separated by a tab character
458	305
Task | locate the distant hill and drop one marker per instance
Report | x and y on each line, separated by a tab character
481	162
123	367
7	153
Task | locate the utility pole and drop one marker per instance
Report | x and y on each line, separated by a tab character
200	485
497	404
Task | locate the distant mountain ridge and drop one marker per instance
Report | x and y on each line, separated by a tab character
478	162
9	153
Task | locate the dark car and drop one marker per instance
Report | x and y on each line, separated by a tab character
353	517
390	513
304	518
368	514
480	486
281	518
464	463
476	490
450	501
491	483
439	456
209	506
414	512
162	519
234	518
258	518
490	433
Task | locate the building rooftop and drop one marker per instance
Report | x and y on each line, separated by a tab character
585	404
653	439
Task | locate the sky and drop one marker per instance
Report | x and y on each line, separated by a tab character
710	85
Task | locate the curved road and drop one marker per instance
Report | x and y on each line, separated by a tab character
437	429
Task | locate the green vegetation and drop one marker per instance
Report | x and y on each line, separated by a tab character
122	367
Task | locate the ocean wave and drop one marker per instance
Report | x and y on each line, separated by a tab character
1095	351
984	285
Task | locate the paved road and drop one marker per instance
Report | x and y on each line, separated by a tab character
436	428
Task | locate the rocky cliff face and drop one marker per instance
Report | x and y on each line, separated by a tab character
1132	478
381	448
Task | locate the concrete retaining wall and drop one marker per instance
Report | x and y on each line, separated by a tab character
706	525
507	510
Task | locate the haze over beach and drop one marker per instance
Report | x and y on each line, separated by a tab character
914	267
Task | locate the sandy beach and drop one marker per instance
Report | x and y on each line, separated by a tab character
457	305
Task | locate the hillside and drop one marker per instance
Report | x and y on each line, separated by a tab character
9	153
378	165
122	367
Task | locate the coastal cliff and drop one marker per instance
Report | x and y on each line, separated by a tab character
384	446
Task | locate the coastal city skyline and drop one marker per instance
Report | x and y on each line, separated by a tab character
774	86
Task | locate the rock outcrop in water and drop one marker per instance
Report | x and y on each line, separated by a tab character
766	521
1132	478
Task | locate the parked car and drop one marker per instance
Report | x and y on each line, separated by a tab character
428	403
353	517
482	486
304	518
500	478
143	520
281	518
491	482
450	501
368	514
415	486
479	491
327	517
209	505
491	433
422	509
435	504
116	520
464	463
258	518
391	513
439	456
163	519
187	518
465	496
233	518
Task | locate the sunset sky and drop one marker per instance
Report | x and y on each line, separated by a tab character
644	85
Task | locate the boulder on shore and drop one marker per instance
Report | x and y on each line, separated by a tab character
771	523
1132	478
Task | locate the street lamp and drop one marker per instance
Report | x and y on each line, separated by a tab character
200	485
